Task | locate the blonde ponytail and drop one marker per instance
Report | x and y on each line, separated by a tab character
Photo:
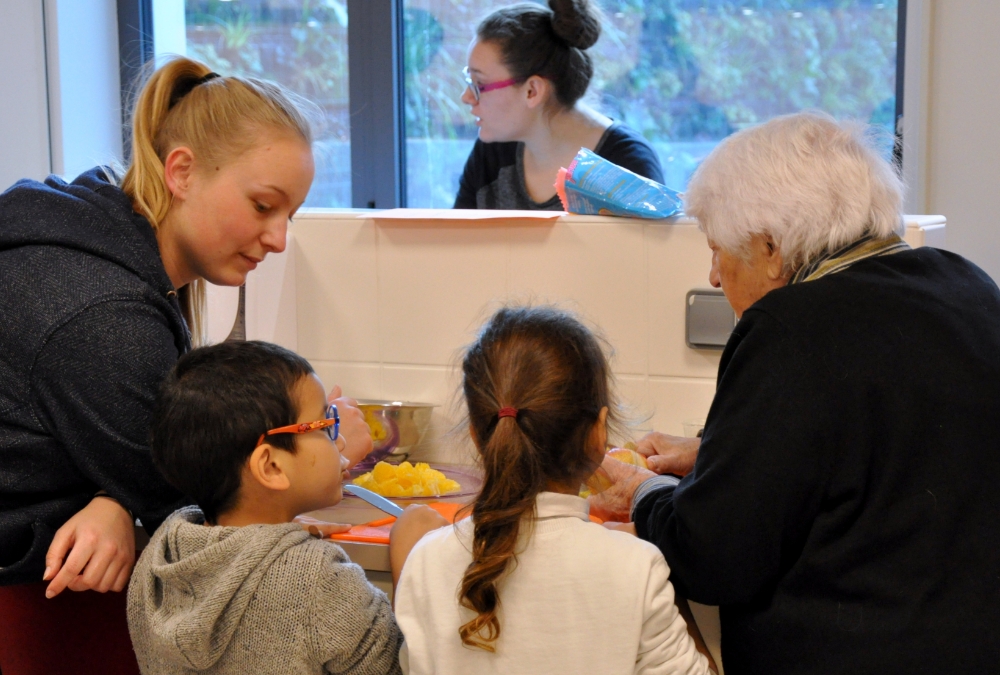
218	119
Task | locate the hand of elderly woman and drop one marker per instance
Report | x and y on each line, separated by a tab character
615	502
353	428
669	454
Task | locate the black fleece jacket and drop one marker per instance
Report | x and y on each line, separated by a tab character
844	509
89	327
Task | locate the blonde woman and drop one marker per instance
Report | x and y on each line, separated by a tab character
102	289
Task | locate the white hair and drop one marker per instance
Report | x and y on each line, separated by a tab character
809	182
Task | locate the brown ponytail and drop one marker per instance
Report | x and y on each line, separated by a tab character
219	119
552	370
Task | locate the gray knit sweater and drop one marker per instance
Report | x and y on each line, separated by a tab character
255	599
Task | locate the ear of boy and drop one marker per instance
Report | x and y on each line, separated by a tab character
267	467
263	495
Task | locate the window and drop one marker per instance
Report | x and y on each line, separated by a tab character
684	73
300	43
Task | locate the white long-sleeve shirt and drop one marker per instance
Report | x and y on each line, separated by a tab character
581	598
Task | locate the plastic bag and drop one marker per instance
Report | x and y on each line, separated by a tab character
594	186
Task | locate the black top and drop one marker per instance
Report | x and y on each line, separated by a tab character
844	509
90	327
494	173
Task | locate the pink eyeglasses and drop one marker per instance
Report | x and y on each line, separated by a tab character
478	89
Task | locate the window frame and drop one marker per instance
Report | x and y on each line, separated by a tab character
375	41
135	48
897	148
378	136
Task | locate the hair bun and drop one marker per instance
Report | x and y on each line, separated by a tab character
576	22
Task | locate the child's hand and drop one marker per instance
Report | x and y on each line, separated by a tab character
353	428
414	522
319	528
411	525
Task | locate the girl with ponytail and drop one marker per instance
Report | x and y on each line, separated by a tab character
528	69
102	282
529	584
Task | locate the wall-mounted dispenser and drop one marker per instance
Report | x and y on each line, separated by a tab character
709	319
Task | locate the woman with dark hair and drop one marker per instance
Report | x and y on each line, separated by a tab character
528	69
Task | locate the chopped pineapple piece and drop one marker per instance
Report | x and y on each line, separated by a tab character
407	480
383	472
629	457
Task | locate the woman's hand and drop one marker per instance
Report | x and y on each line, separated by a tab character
615	502
353	428
412	524
669	454
100	541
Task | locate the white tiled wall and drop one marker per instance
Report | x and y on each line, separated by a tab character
384	308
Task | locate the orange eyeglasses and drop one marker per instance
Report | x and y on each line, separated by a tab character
331	425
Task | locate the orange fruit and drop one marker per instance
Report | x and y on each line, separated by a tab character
629	457
406	480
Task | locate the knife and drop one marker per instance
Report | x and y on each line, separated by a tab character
378	501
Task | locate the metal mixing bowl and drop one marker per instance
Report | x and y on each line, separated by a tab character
396	427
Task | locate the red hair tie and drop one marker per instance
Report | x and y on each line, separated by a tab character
507	412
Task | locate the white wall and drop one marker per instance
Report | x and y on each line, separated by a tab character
84	84
169	36
385	308
963	141
60	110
24	119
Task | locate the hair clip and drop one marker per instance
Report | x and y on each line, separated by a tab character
185	88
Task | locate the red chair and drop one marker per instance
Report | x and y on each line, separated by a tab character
83	633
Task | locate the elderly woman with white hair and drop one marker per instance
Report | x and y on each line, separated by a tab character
843	507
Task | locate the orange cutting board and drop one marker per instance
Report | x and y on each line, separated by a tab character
377	531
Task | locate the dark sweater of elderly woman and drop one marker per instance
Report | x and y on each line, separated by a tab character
843	507
528	70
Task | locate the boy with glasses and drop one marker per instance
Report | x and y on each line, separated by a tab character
232	585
